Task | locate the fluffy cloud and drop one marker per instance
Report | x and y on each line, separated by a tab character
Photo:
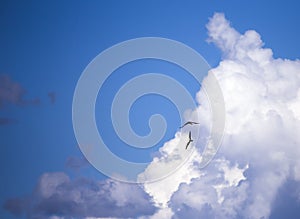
261	143
57	196
259	154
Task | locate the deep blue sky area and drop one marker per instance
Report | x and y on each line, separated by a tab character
45	46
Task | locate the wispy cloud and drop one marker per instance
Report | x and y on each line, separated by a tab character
12	92
7	121
58	195
76	163
52	97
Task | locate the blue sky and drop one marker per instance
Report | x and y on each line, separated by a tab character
45	46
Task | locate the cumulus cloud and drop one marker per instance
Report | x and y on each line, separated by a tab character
58	196
76	163
261	143
258	156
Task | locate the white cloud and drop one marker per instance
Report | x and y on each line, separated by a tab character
56	195
55	217
261	143
160	214
163	189
259	153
